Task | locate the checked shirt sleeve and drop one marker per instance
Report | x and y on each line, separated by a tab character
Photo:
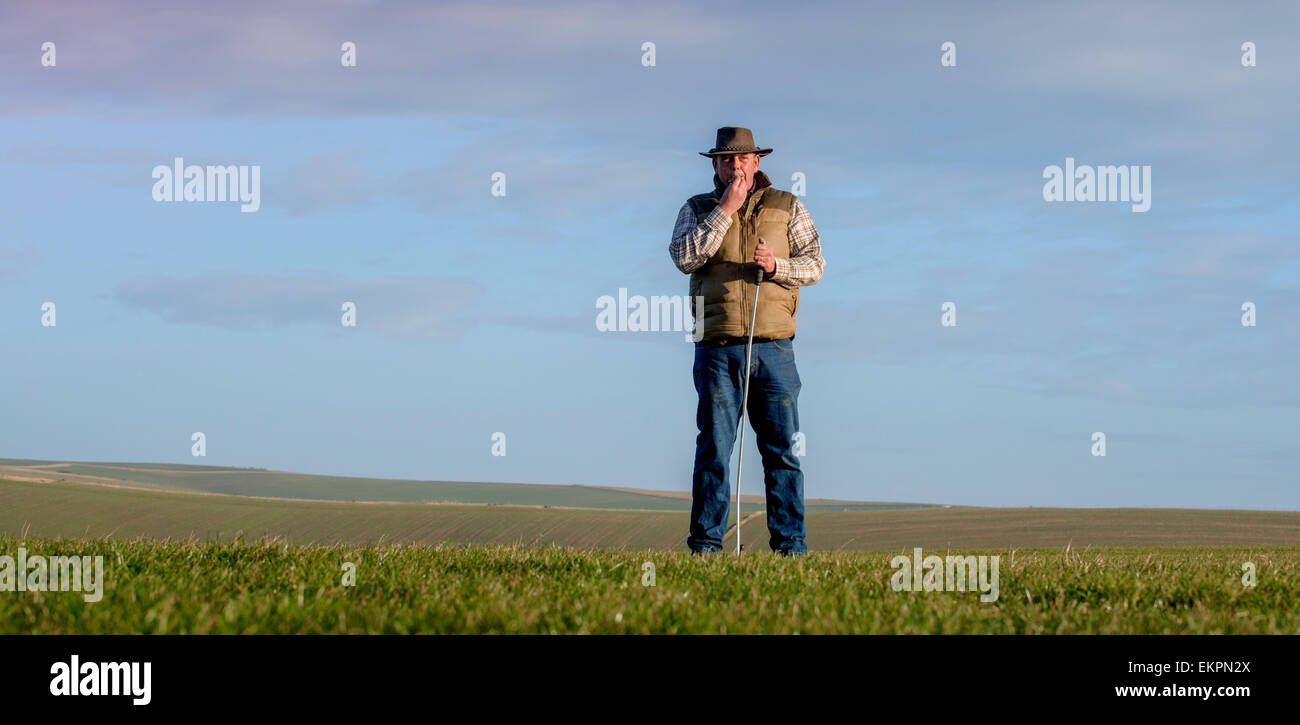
805	265
693	243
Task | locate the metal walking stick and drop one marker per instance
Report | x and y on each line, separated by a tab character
740	433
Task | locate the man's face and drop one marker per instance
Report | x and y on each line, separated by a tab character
732	164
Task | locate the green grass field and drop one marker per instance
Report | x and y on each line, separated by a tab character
182	562
272	587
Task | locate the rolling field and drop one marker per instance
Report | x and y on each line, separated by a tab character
54	510
91	511
184	562
281	484
270	587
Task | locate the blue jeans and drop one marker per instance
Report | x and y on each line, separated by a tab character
774	416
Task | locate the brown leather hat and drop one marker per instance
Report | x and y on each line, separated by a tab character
735	140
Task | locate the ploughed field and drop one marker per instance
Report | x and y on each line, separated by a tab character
63	509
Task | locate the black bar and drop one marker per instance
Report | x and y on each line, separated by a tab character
242	675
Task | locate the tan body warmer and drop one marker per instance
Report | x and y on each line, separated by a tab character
726	281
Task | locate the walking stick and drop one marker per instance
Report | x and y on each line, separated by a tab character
744	401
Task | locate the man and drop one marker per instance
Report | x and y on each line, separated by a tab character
721	239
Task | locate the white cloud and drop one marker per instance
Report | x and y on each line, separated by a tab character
401	307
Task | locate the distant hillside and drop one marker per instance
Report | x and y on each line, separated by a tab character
78	510
281	484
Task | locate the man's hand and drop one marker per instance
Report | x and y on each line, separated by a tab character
764	258
735	194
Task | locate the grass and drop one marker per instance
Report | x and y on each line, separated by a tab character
168	587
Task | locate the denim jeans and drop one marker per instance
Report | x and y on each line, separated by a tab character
774	416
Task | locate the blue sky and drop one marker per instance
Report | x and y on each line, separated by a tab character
476	313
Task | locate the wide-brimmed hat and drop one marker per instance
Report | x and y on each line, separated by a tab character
735	140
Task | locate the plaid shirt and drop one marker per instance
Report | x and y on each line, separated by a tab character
694	243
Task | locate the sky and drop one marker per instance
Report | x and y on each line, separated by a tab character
475	312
